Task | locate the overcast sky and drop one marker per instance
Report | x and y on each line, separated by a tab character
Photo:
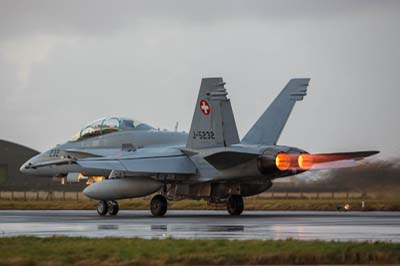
65	63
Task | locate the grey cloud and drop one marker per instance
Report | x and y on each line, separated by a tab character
105	17
145	60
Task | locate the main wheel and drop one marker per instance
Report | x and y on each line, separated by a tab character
113	207
235	205
158	205
102	207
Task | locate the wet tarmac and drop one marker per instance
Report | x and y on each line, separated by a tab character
341	226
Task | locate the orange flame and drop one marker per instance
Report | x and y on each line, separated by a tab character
282	161
305	161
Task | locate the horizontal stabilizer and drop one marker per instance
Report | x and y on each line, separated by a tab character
337	160
228	159
334	165
340	156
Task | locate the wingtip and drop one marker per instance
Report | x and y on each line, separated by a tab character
374	152
301	79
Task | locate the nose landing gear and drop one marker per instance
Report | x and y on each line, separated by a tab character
110	206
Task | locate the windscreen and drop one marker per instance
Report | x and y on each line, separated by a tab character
109	125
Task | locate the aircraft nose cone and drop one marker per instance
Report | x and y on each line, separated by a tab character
22	169
25	167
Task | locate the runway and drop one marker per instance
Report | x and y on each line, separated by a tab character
340	226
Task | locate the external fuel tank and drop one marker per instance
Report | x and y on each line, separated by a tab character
130	187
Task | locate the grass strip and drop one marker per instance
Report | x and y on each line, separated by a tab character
119	251
250	204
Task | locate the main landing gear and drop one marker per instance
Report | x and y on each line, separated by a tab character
110	206
158	205
235	205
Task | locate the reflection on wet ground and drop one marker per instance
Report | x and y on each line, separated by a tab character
356	226
107	227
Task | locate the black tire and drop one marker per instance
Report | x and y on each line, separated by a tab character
158	205
235	205
102	207
113	207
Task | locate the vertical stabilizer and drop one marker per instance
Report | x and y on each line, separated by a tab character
213	123
268	128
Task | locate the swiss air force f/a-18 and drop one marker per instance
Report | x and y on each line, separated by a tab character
210	162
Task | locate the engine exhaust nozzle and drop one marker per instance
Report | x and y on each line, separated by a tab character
305	161
283	161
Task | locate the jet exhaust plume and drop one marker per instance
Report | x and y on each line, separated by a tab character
369	174
377	176
380	175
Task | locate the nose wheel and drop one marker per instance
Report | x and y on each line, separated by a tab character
110	207
235	205
158	205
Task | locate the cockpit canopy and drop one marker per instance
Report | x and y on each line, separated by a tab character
109	125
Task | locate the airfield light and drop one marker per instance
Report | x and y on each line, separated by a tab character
305	161
282	161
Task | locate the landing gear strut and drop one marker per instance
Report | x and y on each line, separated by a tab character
235	205
110	206
158	205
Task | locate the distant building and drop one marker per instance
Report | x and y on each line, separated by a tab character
12	156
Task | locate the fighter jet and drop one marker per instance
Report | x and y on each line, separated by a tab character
210	162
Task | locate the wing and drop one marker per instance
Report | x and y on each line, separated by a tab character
157	164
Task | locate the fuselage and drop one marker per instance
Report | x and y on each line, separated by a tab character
51	162
219	169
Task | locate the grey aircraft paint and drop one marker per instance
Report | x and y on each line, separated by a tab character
208	163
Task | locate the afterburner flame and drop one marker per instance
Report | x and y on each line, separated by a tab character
305	161
282	161
94	179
